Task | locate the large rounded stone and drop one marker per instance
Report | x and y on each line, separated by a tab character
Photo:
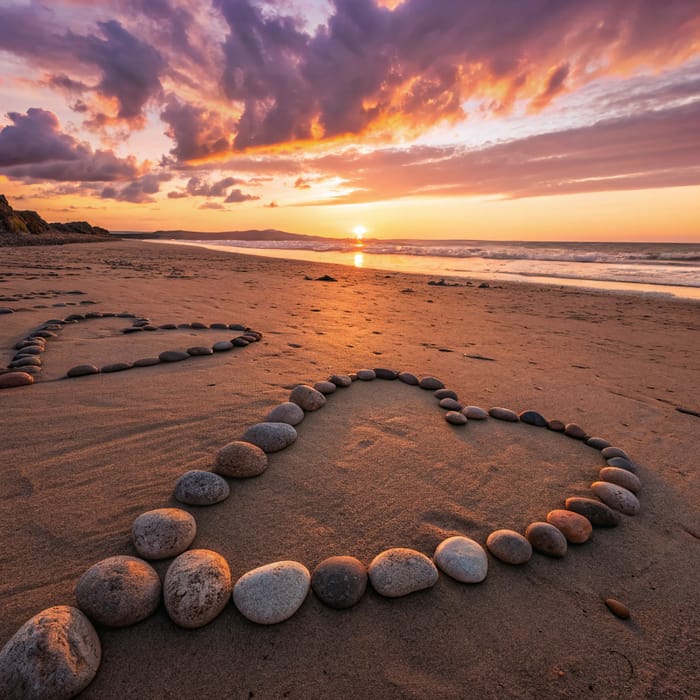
575	431
366	375
575	527
82	371
440	394
386	373
118	591
597	443
325	387
53	656
533	418
546	539
241	459
622	463
503	414
408	378
509	546
271	437
13	379
462	558
272	593
621	477
201	488
340	380
199	350
222	346
609	452
173	356
287	412
197	587
163	533
450	404
597	513
339	582
456	418
475	413
307	397
616	497
432	383
400	571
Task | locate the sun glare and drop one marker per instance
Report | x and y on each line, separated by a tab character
359	232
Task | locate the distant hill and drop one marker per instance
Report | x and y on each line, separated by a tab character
268	234
28	228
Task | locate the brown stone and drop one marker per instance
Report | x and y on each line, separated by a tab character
575	527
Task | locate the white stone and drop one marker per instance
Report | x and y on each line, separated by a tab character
462	558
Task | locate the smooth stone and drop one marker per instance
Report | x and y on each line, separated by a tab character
33	349
340	380
400	571
199	350
34	361
621	477
240	342
167	326
475	413
271	437
149	327
132	329
556	425
575	431
163	533
432	383
462	559
450	404
384	373
199	325
597	443
509	546
222	346
339	582
53	656
287	412
219	326
307	397
197	587
124	314
29	343
445	394
236	327
597	513
325	387
240	459
14	379
147	362
546	539
140	323
30	369
616	497
201	488
408	378
617	608
366	375
75	317
272	593
621	463
118	591
82	371
610	452
184	325
173	356
503	414
456	418
116	367
533	418
45	334
576	528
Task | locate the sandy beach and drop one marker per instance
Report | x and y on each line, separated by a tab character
377	467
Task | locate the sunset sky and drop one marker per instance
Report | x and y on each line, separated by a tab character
502	119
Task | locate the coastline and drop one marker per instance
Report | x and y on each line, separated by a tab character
378	467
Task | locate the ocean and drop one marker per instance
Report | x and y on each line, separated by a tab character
650	268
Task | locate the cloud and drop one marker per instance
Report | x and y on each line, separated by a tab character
553	86
236	196
212	205
138	192
197	187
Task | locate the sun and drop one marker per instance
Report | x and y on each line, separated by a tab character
359	232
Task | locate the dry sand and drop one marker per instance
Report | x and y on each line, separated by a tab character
378	467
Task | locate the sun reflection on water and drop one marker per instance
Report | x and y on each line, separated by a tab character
359	259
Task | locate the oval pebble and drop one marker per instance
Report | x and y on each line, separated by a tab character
384	373
617	608
408	378
14	379
575	527
597	513
240	342
118	591
432	383
556	425
450	404
222	346
53	656
366	375
462	559
621	477
199	325
340	380
241	459
271	437
197	587
609	452
163	533
401	571
616	497
199	350
173	356
307	397
116	367
339	582
325	387
503	414
272	593
32	350
533	418
621	463
575	431
509	546
32	360
445	394
201	488
82	370
597	443
456	418
475	413
546	539
287	412
147	362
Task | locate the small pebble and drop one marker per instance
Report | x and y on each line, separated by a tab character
116	367
621	477
617	608
533	418
597	513
271	437
173	356
366	375
383	373
509	546
616	497
199	350
199	325
163	533
307	397
240	342
556	425
475	413
609	452
462	558
621	463
82	370
400	571
222	346
455	418
325	387
287	412
546	539
575	527
14	379
575	431
440	394
147	362
339	582
201	488
597	443
241	459
340	380
450	404
503	414
408	378
431	383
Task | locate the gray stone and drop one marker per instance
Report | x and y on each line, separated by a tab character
609	452
400	571
240	342
118	591
287	412
201	488
598	513
533	418
163	533
432	383
503	414
408	378
556	425
219	326
31	361
147	362
546	539
271	437
597	443
53	656
241	459
307	397
272	593
455	418
199	350
621	477
509	546
199	325
450	404
33	349
445	394
82	370
222	346
131	329
384	373
575	431
116	367
462	558
340	380
616	497
325	387
236	327
475	413
622	463
366	375
173	356
339	582
197	588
